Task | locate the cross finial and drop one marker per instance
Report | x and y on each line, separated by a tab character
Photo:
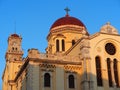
108	23
67	10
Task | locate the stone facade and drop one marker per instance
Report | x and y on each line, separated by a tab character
74	60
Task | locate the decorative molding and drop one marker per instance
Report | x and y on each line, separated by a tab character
84	49
98	49
47	70
108	28
45	65
71	68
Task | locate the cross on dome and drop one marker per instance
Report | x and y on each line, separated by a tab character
108	23
67	10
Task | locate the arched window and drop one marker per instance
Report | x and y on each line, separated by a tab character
98	71
109	72
63	45
12	48
57	45
73	42
71	81
47	80
116	72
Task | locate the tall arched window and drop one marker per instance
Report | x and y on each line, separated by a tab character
73	42
98	71
71	81
57	45
47	80
116	72
109	72
63	45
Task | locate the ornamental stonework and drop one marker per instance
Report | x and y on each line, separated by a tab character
45	65
108	28
71	68
84	49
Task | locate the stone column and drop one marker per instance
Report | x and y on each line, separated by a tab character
85	56
112	74
85	69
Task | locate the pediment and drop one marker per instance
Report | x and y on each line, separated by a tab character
109	29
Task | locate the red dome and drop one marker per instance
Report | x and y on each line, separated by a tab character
15	35
67	20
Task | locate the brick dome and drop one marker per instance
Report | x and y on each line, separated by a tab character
67	20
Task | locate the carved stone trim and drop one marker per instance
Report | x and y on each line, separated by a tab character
47	70
45	65
108	28
72	68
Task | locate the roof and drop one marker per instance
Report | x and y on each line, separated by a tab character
67	20
14	35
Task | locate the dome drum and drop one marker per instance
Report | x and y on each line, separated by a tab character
66	28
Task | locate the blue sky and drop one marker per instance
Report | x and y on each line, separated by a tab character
34	18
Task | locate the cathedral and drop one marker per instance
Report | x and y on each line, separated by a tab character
74	59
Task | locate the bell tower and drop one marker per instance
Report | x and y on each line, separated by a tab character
14	55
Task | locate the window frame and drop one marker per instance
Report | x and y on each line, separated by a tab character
63	45
109	72
98	71
71	81
73	42
116	76
47	80
57	45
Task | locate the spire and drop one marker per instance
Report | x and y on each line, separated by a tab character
67	10
15	33
15	27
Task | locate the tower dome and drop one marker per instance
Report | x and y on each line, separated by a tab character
15	35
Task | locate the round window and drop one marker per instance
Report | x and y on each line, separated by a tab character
110	48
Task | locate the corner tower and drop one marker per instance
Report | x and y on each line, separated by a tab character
14	55
64	33
14	61
14	51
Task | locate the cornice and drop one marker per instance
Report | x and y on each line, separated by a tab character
62	62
